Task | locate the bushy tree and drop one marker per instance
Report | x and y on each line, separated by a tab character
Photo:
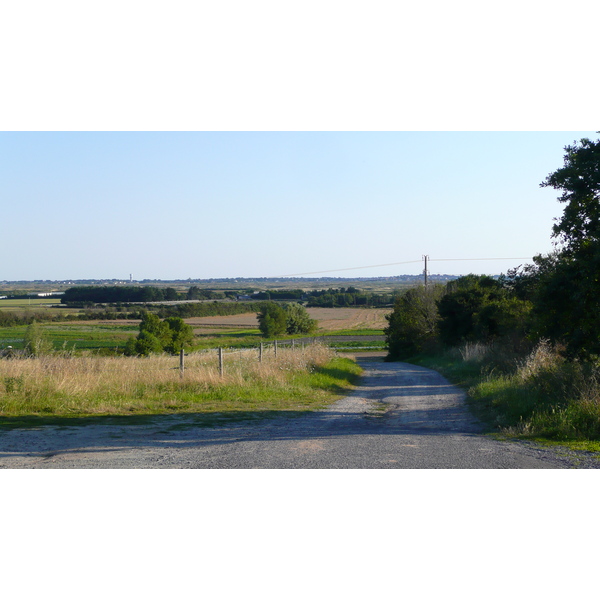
272	320
152	325
293	318
568	286
413	323
181	335
579	181
298	320
171	335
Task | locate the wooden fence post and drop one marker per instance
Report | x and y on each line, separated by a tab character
275	347
221	361
260	351
181	363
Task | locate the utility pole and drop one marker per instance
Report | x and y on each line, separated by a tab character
425	271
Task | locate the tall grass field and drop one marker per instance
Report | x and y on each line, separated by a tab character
89	385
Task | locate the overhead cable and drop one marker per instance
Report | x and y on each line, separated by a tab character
406	262
352	268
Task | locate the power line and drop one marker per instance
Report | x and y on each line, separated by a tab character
465	259
406	262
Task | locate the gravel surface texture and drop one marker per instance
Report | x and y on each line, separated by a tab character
401	416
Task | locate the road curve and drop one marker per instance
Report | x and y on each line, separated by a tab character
401	417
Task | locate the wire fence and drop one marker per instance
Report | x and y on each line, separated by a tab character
270	348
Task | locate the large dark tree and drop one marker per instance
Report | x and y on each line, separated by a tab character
579	180
568	294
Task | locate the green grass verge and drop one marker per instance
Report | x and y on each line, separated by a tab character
546	407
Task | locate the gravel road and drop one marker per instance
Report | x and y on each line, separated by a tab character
400	417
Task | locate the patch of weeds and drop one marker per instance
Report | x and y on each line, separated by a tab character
14	385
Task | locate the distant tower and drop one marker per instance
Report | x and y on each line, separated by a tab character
130	278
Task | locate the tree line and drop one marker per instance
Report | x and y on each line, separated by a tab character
88	295
557	298
346	297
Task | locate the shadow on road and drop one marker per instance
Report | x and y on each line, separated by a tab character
374	409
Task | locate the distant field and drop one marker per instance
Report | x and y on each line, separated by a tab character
9	304
92	335
227	331
329	319
334	319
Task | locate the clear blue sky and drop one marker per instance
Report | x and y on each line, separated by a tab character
241	204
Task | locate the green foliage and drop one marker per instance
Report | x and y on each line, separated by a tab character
566	285
182	335
541	395
152	325
469	309
195	293
171	335
480	308
503	317
275	319
413	323
148	343
298	320
272	320
579	180
350	296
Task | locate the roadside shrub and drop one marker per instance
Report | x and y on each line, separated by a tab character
545	395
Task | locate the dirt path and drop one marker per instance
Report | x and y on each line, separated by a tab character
401	416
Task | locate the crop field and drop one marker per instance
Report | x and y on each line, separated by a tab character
29	303
239	331
235	331
329	319
92	335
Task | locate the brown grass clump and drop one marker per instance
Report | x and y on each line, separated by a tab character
543	358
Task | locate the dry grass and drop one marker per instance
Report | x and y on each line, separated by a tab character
94	385
542	359
474	352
